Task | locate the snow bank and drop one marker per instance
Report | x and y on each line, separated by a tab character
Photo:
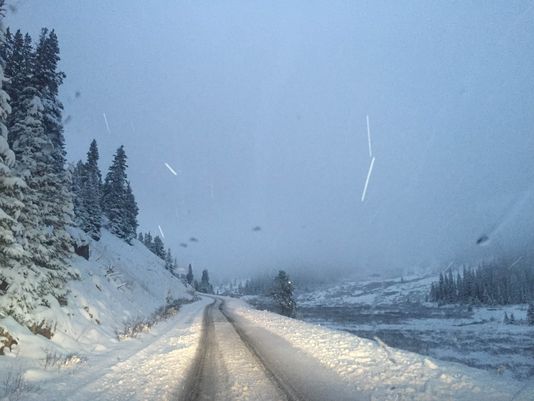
383	372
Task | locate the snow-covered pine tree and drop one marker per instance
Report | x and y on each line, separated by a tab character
91	185
78	178
47	80
43	237
13	258
141	238
58	211
131	216
530	314
282	293
175	268
169	264
6	45
148	242
159	248
19	70
118	203
189	277
205	285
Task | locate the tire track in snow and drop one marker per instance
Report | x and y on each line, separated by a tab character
209	379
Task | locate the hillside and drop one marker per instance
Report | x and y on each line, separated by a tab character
120	285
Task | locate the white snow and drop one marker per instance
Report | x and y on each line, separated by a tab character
85	360
381	372
119	284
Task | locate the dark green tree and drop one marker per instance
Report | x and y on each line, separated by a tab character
189	277
118	202
530	314
159	248
87	185
282	294
204	285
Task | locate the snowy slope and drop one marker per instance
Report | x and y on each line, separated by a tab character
118	285
375	292
150	367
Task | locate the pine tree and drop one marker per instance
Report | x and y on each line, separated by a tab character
204	285
189	277
175	268
19	69
118	202
169	262
44	229
159	248
47	80
42	268
13	258
78	182
131	214
36	127
141	238
282	294
6	44
91	193
148	242
530	314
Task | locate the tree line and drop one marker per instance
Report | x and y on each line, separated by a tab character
111	202
41	199
157	247
489	284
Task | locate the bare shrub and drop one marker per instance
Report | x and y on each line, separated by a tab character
14	385
54	359
133	327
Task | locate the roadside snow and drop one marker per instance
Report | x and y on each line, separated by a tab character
382	372
150	367
119	285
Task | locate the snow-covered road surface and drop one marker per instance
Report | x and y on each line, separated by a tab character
237	361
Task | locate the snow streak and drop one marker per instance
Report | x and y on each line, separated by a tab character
107	124
161	231
367	180
170	169
369	138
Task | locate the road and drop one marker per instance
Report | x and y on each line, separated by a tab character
238	361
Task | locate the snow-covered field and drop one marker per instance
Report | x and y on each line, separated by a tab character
119	286
396	312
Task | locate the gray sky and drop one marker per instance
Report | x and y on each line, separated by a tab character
261	108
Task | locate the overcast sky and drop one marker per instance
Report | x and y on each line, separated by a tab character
261	109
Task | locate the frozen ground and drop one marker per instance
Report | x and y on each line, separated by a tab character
396	312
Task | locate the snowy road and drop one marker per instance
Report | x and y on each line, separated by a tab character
222	349
238	361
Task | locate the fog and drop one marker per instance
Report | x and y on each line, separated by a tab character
260	109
